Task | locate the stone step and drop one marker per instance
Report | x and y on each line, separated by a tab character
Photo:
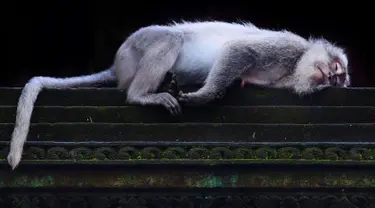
228	132
216	114
235	96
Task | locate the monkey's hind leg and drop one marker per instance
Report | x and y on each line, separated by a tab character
159	57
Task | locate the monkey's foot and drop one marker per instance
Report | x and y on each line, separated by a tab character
198	98
14	158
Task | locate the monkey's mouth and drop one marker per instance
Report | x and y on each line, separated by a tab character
333	80
338	80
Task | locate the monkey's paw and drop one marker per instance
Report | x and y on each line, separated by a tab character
169	102
14	158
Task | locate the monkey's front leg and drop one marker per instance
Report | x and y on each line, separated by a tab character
235	60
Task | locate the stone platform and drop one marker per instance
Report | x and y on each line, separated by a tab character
255	148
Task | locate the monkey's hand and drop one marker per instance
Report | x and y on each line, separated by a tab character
168	101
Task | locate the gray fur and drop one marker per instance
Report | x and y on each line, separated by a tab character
210	53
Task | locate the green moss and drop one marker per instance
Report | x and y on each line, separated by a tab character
209	181
101	108
69	107
368	182
234	179
41	182
287	181
21	181
261	94
126	180
34	182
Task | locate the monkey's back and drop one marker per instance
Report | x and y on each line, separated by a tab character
202	43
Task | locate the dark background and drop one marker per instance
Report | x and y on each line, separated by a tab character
72	37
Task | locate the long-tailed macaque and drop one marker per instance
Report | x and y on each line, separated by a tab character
212	54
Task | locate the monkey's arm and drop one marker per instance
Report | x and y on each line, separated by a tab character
235	59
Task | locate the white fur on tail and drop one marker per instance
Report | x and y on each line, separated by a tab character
28	97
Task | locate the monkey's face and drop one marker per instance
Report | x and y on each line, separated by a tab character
334	73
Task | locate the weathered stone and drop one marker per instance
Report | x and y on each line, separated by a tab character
188	132
235	96
256	148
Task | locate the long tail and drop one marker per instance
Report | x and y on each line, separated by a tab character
28	97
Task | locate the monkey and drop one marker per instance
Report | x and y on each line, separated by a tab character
210	53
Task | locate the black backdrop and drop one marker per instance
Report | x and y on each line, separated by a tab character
72	37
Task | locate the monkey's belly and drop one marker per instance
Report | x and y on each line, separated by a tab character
192	66
200	50
194	57
255	79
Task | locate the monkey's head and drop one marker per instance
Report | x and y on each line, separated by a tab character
322	65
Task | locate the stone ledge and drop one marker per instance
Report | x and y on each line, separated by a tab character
190	132
217	114
235	96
